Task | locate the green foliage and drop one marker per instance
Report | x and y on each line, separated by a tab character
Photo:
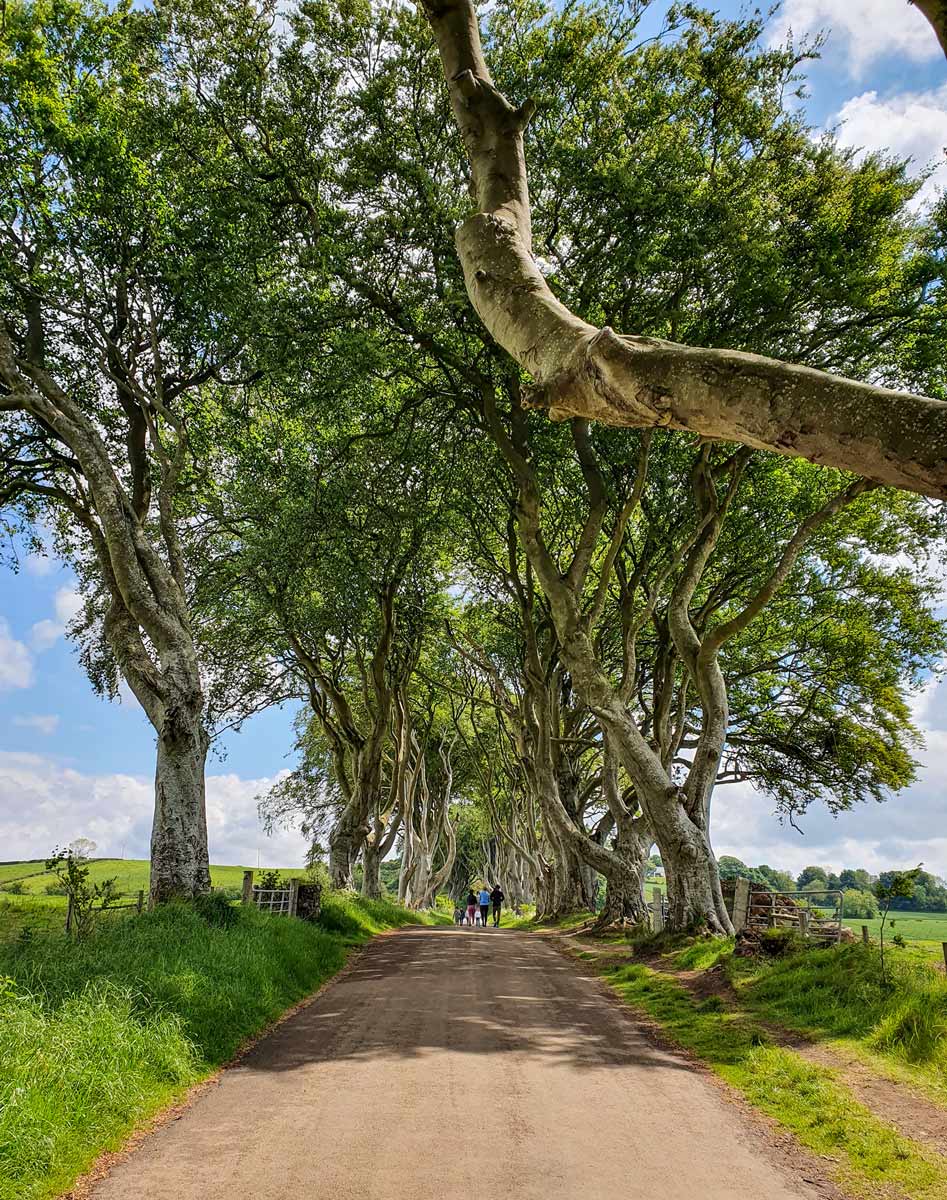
856	903
71	869
216	909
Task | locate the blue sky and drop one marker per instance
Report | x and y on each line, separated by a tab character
72	764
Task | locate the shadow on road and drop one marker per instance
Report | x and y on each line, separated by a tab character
491	992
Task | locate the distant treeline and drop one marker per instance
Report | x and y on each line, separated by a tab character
930	892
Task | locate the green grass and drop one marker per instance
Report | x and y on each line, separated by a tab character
98	1035
870	1157
17	870
929	928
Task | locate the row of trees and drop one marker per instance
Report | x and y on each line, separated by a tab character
927	893
242	391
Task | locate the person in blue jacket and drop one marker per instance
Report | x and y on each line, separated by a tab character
484	901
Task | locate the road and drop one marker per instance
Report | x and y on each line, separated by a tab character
458	1063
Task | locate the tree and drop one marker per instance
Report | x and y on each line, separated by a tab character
119	302
809	875
857	903
585	372
893	885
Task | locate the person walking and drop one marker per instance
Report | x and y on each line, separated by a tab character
484	905
471	907
496	899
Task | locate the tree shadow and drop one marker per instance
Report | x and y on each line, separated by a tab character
454	990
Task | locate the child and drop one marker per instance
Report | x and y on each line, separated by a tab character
458	915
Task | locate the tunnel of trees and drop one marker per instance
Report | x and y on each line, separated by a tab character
282	328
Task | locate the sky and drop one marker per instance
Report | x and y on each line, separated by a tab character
72	764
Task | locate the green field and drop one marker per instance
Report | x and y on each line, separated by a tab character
913	926
17	870
130	874
39	912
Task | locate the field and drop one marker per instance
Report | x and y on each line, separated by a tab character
39	912
130	874
17	870
913	927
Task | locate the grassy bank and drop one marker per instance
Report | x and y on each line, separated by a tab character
868	1157
97	1036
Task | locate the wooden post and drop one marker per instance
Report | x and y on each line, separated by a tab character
141	900
803	923
657	910
741	904
865	934
293	896
69	915
247	896
944	948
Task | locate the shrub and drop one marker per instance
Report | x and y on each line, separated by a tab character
216	909
16	887
778	941
56	889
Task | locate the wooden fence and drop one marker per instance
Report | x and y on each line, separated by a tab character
138	904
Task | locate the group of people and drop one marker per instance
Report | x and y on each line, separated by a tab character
478	907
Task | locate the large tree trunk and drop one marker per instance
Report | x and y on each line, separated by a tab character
624	889
345	840
179	859
371	872
695	899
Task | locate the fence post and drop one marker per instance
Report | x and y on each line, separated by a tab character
944	948
247	896
293	896
741	904
141	900
865	935
657	910
69	915
803	923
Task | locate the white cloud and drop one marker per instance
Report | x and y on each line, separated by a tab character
910	828
909	125
40	565
44	724
860	30
16	662
67	604
44	804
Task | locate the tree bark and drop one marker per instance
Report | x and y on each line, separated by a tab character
581	371
371	871
179	859
936	13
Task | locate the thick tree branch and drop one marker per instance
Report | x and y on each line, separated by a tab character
578	370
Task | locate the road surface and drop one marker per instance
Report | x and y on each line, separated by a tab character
458	1063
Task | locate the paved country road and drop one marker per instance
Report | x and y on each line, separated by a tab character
458	1063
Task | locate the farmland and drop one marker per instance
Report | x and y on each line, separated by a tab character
38	911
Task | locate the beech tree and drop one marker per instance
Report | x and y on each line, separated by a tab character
120	301
578	370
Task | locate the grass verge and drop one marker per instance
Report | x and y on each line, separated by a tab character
869	1158
97	1036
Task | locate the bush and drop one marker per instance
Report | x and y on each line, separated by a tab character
778	941
216	909
56	889
16	887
